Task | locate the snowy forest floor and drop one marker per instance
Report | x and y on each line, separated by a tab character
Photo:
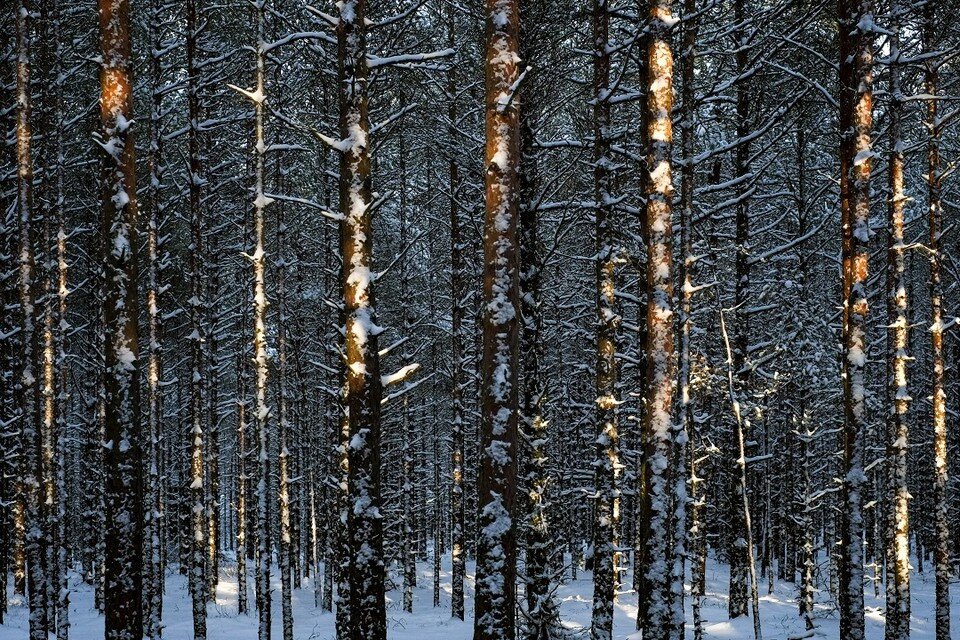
778	611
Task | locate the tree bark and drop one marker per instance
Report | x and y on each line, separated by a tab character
898	532
31	431
496	542
607	466
658	622
856	122
739	563
541	618
122	436
363	384
285	551
457	382
941	505
198	533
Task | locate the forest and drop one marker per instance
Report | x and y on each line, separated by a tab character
503	320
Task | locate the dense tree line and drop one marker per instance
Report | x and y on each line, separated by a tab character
326	292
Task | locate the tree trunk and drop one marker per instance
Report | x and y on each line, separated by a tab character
457	382
941	505
261	408
122	437
739	563
898	531
363	384
198	533
496	542
408	430
683	440
658	622
541	618
856	121
153	571
285	551
31	472
607	465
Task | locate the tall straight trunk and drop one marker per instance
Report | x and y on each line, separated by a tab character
45	210
18	516
319	587
856	122
123	497
408	560
30	428
742	475
809	552
211	453
58	328
802	429
658	432
261	359
331	417
8	382
607	465
363	384
541	618
898	346
685	456
739	569
261	408
153	574
457	381
53	388
198	535
97	436
495	602
240	476
61	588
341	554
283	435
941	504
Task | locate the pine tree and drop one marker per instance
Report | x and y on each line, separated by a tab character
123	496
607	509
898	533
739	563
29	398
856	122
942	556
457	357
496	493
658	614
363	384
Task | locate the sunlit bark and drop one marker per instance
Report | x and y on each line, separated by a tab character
363	384
606	540
122	432
943	563
496	544
898	533
658	622
856	122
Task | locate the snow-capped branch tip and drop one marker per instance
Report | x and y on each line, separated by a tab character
383	352
337	145
374	61
400	375
406	389
257	255
257	97
333	21
504	101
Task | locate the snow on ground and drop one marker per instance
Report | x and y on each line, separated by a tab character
778	612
